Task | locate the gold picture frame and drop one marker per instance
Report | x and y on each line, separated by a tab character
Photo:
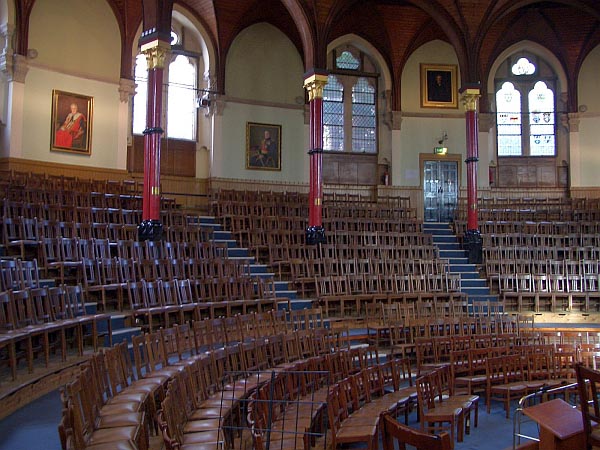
71	127
263	146
439	86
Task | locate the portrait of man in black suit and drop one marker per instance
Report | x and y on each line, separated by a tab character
439	86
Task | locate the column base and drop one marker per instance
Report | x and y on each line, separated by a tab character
473	243
315	235
150	230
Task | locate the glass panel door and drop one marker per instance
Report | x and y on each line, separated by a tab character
440	190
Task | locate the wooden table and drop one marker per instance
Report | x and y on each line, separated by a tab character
561	425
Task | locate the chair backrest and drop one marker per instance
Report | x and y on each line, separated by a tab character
403	434
587	384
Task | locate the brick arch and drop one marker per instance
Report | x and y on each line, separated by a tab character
307	34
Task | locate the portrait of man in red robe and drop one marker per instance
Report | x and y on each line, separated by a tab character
72	129
71	125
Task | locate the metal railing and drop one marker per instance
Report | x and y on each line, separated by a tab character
568	393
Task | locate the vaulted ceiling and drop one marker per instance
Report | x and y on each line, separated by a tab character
478	30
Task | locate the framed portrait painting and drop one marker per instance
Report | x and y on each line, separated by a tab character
439	86
71	128
263	146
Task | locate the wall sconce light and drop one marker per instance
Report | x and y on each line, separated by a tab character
205	99
441	149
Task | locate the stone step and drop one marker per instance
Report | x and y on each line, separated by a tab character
222	235
473	291
450	239
473	283
258	268
469	276
124	334
117	322
203	220
291	295
453	254
231	243
301	303
461	265
448	246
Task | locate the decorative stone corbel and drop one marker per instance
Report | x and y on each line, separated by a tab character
126	89
396	120
20	68
572	122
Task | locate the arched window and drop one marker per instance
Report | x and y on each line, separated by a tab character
350	121
141	94
541	120
181	97
525	111
508	117
181	108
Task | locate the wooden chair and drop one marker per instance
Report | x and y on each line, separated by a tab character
587	382
393	431
344	434
505	380
432	413
91	425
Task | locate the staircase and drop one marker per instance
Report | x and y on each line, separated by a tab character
449	248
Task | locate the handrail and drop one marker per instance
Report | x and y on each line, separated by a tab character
537	397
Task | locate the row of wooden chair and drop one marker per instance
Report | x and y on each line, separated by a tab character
35	321
20	180
504	240
162	302
348	295
30	232
288	410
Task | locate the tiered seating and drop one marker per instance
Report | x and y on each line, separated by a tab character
85	232
191	382
34	321
376	251
544	272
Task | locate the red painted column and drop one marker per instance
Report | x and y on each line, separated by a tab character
472	239
314	83
472	159
151	227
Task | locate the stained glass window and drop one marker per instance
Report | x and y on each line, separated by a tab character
541	120
523	67
525	111
508	118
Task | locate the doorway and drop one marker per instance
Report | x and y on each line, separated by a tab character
440	190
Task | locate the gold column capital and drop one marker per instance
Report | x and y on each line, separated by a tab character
156	53
315	84
470	97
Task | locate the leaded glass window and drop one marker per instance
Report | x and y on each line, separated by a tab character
364	137
333	115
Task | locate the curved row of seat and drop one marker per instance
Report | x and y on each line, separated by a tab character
187	375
